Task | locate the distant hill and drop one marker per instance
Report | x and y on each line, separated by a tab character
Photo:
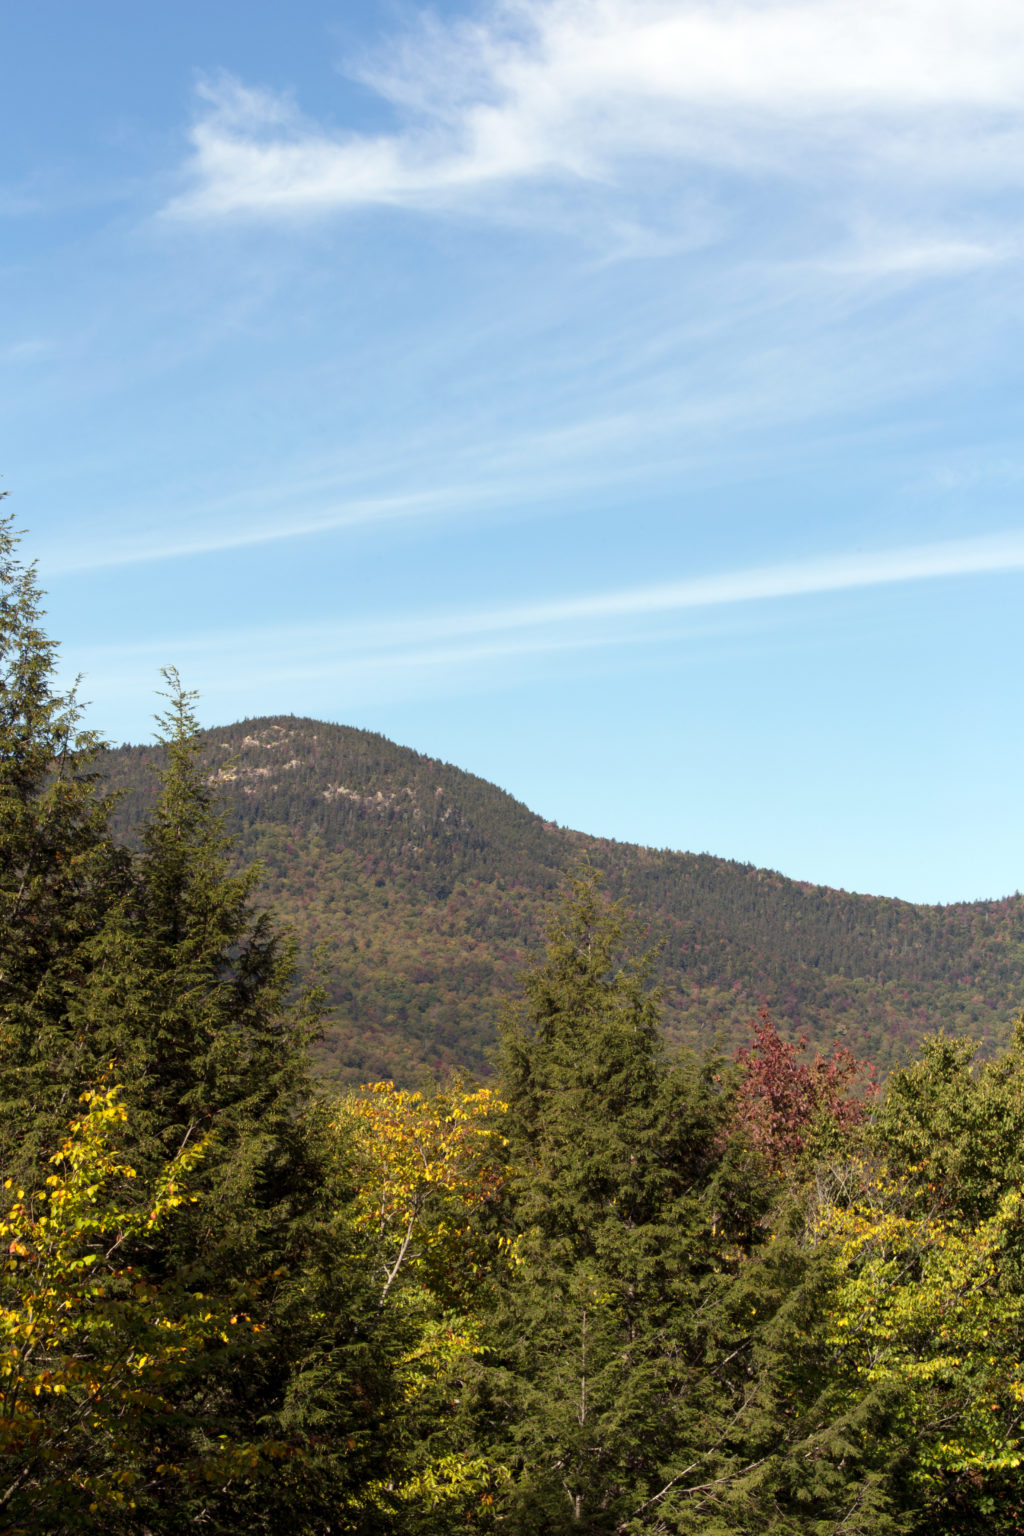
428	888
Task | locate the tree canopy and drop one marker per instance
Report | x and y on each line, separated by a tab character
617	1290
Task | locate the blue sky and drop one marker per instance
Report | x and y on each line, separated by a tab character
621	400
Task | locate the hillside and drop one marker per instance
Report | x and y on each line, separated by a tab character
427	888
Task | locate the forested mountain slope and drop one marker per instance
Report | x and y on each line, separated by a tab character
427	887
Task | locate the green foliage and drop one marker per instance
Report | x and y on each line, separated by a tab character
930	1300
188	991
925	1309
609	1352
954	1126
643	1293
161	965
58	873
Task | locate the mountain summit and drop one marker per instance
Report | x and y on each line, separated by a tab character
427	888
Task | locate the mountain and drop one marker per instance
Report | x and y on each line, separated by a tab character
427	889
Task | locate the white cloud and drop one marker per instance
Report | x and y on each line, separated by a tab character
836	573
575	89
919	257
350	513
561	623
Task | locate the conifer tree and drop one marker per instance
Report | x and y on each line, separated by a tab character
189	993
58	872
609	1371
161	975
190	986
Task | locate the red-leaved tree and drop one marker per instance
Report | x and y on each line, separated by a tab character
782	1101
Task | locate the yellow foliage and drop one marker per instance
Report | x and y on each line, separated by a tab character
86	1342
424	1168
932	1309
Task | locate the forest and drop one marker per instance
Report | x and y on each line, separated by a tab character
427	891
628	1285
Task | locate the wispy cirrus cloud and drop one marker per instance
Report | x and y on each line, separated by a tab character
577	90
347	513
835	573
888	256
596	618
458	653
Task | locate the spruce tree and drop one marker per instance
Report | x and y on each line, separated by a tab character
656	1363
609	1373
190	989
59	872
159	974
190	996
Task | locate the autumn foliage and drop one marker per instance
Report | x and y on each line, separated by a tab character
783	1102
423	1165
623	1290
90	1343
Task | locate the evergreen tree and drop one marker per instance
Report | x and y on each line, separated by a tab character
189	995
160	975
58	873
190	987
610	1373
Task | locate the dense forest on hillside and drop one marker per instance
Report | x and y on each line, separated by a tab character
428	888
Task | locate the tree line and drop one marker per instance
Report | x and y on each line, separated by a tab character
613	1292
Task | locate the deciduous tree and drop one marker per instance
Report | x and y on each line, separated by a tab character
428	1168
92	1347
788	1106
